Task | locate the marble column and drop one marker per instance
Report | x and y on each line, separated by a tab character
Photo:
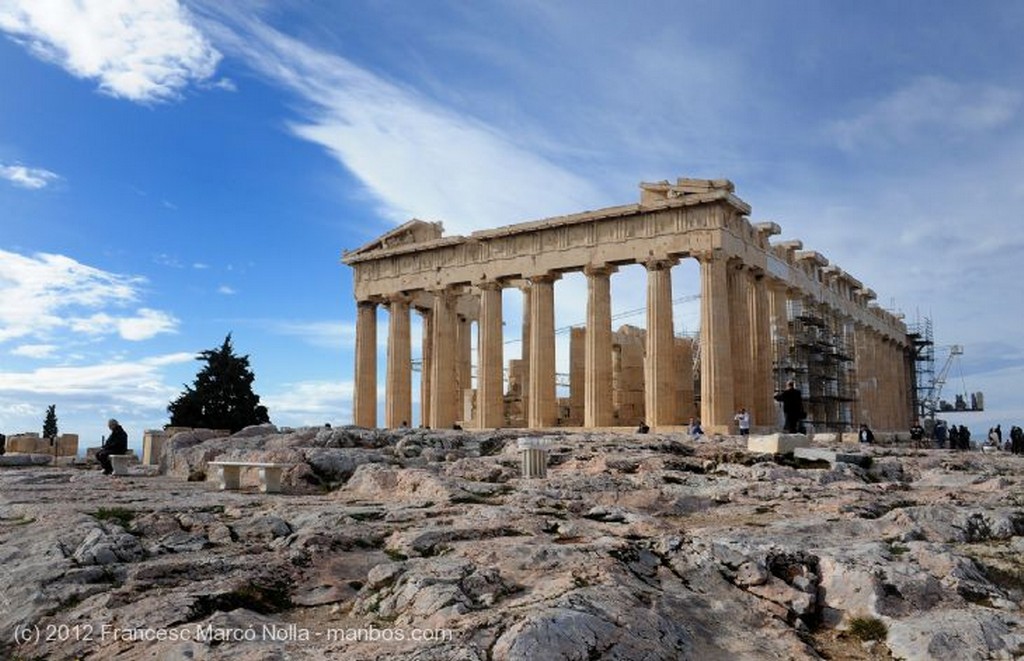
597	399
659	358
463	366
398	385
524	388
716	377
490	358
763	385
426	362
543	406
742	354
443	404
364	405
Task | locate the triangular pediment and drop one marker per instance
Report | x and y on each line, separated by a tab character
408	233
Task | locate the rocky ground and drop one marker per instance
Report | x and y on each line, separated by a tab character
429	545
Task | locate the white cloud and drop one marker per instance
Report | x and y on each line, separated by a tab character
326	334
25	177
42	293
141	50
310	403
227	290
34	350
927	106
415	156
147	324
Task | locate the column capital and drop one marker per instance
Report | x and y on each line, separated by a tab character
397	297
546	277
659	263
489	285
600	270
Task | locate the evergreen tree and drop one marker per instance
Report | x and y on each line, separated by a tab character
221	396
50	424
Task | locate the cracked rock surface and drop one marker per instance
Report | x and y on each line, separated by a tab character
429	545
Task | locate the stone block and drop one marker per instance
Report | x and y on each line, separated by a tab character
831	456
777	443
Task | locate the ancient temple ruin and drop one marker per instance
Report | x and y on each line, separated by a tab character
769	312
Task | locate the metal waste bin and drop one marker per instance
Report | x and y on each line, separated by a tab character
534	454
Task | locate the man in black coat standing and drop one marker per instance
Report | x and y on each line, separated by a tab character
116	443
792	407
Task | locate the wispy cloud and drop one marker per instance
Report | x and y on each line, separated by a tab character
418	158
26	177
310	403
45	292
34	350
227	290
927	106
325	334
140	50
126	388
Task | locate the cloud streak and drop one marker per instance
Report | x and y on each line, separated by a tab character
141	50
416	157
41	293
26	177
925	107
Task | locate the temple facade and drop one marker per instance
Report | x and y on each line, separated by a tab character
770	312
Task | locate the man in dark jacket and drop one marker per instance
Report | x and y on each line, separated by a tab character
116	443
792	407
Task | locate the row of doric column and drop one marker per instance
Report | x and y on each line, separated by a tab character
744	326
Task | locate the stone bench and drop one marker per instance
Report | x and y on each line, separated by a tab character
231	473
119	463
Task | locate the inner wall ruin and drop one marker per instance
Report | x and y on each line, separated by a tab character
770	312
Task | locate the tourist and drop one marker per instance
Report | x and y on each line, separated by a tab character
1016	440
941	433
643	428
742	419
865	435
116	443
695	428
916	434
792	407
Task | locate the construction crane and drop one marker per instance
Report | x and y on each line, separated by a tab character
930	403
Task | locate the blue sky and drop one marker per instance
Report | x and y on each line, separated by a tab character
174	171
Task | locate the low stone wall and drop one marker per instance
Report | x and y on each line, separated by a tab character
65	445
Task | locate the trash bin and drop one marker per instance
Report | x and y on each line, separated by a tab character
534	454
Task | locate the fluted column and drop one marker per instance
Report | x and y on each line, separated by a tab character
762	405
659	358
463	365
543	407
364	404
426	362
489	346
525	357
442	373
742	357
398	385
716	377
597	397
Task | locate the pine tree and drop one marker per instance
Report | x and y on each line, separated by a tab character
50	423
221	396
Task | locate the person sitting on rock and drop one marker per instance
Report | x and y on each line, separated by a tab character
695	428
643	428
865	435
116	443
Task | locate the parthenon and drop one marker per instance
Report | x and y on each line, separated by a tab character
770	312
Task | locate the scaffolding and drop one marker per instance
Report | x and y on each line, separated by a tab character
816	353
920	336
